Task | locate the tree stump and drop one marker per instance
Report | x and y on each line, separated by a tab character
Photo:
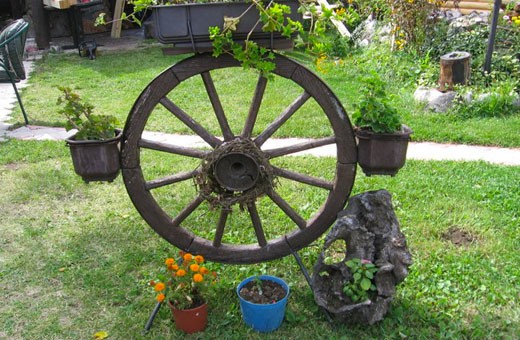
455	69
367	229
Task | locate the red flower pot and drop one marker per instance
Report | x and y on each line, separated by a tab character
190	320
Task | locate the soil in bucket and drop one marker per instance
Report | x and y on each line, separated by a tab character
262	292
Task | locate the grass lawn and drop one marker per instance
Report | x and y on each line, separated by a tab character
114	80
75	259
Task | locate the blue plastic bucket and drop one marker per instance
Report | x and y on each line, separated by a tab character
263	317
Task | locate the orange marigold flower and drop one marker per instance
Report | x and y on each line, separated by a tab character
169	262
203	270
180	272
194	267
187	257
198	278
159	286
161	297
199	259
175	267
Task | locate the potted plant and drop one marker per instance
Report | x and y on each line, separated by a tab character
94	148
262	301
184	286
382	138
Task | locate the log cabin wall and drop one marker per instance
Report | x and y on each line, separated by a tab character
466	6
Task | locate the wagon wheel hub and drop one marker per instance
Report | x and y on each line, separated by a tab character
237	172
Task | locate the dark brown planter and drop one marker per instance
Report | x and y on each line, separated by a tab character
96	160
382	153
186	25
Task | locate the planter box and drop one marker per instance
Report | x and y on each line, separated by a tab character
382	153
186	25
95	160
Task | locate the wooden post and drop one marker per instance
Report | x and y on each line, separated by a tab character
116	25
41	24
455	69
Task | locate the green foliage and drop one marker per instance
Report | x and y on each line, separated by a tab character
498	103
361	285
351	17
505	64
79	116
249	53
379	9
472	40
410	19
374	112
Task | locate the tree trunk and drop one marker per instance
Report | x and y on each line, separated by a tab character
455	69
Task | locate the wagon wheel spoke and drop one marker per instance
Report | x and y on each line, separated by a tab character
217	106
160	182
190	122
175	149
287	209
305	179
255	107
307	145
281	119
217	241
177	220
257	224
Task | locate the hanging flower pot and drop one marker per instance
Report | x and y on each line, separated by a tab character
96	160
382	153
270	294
94	148
190	320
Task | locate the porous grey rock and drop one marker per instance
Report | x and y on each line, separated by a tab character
364	33
450	15
370	230
370	31
435	100
465	22
516	102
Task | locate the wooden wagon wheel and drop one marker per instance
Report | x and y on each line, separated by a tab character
235	172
